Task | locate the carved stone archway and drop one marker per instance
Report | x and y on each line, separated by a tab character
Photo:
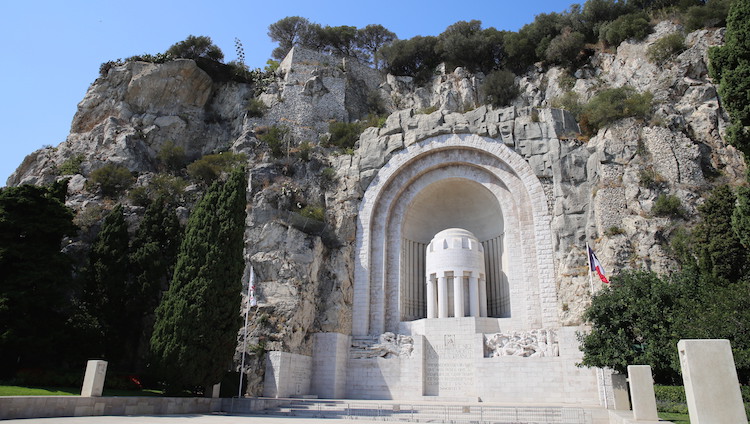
491	172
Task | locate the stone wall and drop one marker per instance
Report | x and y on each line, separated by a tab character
14	407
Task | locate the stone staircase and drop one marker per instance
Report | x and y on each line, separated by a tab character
423	412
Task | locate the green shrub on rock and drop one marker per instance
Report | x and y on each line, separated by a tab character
668	205
499	88
613	104
210	167
666	48
112	179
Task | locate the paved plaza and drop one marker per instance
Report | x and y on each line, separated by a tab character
185	419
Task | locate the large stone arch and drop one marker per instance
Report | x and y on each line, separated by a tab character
524	225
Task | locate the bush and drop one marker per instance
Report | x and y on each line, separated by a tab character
304	150
570	102
72	165
328	174
210	167
274	137
166	186
315	212
666	48
112	179
650	179
172	156
256	108
613	104
196	47
712	14
668	205
499	88
344	135
633	25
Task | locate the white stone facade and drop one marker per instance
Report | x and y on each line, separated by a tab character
484	190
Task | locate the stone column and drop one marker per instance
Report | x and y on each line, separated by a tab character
482	297
442	296
431	307
473	296
458	294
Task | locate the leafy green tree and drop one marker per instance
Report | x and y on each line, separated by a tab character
519	50
467	45
730	65
197	320
106	291
632	25
196	47
563	50
35	277
288	32
371	39
711	14
415	57
635	320
340	40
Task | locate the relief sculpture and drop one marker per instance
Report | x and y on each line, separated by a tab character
530	344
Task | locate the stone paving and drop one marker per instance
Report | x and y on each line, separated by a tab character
186	419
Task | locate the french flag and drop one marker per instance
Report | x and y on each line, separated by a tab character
596	266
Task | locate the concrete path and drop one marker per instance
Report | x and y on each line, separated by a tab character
187	419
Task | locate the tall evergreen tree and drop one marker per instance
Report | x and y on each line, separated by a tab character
197	320
153	253
730	66
106	293
35	277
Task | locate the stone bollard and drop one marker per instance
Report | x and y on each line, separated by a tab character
93	382
711	385
642	392
620	392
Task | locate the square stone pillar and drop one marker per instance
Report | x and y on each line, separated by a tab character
642	393
93	381
711	385
620	392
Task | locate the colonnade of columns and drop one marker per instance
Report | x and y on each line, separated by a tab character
438	297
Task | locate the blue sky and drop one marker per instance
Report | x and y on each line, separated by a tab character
53	49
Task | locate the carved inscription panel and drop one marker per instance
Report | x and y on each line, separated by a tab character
449	366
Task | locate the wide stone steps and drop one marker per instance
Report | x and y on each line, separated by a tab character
426	413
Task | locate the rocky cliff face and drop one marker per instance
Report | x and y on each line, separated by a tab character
595	188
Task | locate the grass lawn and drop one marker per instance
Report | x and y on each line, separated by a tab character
674	417
69	391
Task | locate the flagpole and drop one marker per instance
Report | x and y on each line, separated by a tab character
588	259
244	340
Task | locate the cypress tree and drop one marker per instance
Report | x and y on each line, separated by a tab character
152	259
197	320
106	293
